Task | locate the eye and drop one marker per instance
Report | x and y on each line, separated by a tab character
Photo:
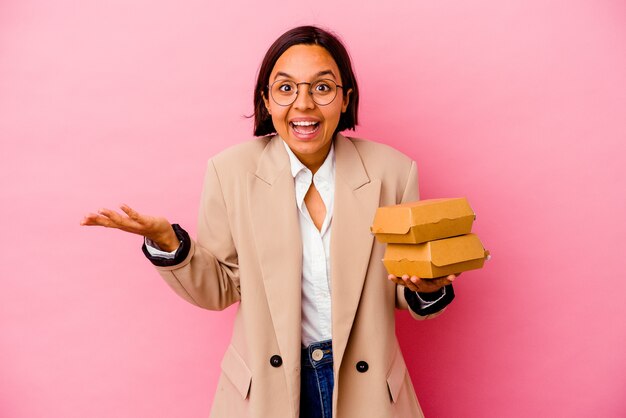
322	87
285	87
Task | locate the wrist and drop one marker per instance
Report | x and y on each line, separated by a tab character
167	240
182	249
431	296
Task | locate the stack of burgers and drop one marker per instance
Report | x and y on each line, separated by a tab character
430	238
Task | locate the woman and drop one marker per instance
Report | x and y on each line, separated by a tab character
314	334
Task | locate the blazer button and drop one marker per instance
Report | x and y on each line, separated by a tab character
276	361
362	367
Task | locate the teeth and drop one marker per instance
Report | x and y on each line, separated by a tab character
304	123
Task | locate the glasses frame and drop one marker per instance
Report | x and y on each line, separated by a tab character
295	96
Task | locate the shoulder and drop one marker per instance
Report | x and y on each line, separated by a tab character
396	171
382	159
368	147
245	154
232	165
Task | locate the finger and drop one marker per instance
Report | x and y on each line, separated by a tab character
111	214
400	281
392	278
411	283
442	281
412	287
395	279
132	213
120	222
114	217
91	219
94	219
433	285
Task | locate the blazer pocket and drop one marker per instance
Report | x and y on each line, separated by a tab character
235	368
396	375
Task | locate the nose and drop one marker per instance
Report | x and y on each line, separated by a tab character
304	99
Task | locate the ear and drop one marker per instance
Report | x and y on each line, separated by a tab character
346	101
266	102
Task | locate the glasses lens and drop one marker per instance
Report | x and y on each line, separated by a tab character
324	91
284	92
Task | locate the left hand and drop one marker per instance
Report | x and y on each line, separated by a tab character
416	284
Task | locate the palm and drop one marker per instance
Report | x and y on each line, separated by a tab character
157	229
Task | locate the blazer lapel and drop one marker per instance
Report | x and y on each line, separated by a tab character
276	232
356	199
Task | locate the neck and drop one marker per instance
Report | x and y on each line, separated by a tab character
314	161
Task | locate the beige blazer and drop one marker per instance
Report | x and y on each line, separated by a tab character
249	251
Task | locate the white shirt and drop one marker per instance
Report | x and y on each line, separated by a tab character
316	311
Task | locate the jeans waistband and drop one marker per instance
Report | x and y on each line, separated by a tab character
311	355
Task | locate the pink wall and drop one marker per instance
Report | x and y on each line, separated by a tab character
518	105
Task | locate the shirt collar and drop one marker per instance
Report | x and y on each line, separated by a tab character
325	172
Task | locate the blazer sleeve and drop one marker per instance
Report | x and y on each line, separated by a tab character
208	276
411	194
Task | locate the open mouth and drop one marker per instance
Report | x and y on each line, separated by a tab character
305	127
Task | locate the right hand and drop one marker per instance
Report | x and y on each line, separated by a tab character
156	229
417	284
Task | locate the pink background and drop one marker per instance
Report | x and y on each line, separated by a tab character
518	105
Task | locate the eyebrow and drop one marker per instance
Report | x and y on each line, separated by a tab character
321	73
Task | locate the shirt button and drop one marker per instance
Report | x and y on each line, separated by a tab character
362	367
276	361
317	354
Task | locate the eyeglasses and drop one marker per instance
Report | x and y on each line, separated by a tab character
285	92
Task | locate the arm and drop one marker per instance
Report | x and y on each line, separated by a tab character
208	275
205	273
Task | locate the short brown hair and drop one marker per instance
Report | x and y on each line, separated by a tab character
307	35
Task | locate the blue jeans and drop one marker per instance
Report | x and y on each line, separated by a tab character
317	380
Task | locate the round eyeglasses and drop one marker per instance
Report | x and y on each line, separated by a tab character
285	92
